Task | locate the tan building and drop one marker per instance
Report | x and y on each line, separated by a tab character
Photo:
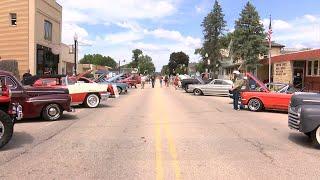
66	63
30	32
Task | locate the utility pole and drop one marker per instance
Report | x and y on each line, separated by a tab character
75	53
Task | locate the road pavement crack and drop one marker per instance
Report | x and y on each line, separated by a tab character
257	145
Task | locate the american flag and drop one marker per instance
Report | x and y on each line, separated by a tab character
270	31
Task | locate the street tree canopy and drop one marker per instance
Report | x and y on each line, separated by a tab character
98	59
178	63
213	30
135	57
249	37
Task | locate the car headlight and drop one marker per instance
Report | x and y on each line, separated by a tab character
299	111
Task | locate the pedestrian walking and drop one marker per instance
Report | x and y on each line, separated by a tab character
160	79
153	80
166	81
143	81
238	83
176	82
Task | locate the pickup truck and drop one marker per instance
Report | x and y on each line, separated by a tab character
304	115
8	114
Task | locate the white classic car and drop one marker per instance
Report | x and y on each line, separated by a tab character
87	94
217	87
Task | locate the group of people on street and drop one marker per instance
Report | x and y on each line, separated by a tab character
173	80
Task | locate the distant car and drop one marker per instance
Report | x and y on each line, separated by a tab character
218	87
121	87
258	97
44	102
304	113
131	81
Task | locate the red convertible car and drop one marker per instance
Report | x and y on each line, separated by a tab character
258	97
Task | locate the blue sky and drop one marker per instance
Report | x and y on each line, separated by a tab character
160	27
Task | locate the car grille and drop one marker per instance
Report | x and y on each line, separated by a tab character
294	120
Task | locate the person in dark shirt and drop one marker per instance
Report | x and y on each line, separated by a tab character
27	74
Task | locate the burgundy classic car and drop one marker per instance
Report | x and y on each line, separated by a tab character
8	113
44	102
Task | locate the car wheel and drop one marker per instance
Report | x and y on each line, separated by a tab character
92	101
186	88
6	128
315	137
52	112
255	105
198	92
119	89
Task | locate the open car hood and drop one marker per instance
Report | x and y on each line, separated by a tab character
249	75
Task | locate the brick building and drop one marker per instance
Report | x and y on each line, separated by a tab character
302	69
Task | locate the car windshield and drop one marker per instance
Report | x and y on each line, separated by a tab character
276	87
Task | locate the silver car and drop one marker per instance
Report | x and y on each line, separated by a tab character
217	87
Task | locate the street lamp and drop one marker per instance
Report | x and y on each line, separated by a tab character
120	65
75	38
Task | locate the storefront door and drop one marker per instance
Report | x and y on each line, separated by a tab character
298	74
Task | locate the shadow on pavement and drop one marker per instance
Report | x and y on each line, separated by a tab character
64	117
18	140
301	140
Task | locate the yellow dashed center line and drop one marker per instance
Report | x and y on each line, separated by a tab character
162	122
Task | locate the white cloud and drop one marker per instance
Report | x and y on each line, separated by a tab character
123	37
301	32
126	15
109	10
311	18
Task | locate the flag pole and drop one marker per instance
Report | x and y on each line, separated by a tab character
270	48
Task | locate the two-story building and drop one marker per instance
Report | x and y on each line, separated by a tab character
228	65
30	32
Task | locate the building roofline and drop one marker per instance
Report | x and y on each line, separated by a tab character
295	56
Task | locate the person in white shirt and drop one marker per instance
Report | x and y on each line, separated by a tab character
143	81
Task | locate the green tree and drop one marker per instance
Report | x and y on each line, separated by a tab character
165	70
213	30
249	37
135	57
145	65
178	63
98	59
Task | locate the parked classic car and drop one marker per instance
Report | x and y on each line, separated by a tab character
258	97
112	89
9	112
42	102
217	87
304	115
131	81
88	94
121	87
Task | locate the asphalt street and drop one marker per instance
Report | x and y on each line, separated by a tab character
160	133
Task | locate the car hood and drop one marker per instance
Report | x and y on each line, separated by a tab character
305	99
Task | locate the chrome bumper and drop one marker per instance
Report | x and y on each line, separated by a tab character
104	96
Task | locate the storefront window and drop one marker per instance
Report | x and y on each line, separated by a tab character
309	68
315	68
